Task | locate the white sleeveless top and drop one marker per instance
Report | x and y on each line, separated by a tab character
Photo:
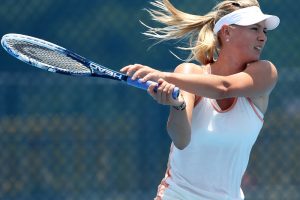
212	165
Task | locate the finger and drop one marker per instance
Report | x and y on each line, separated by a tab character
140	65
159	87
149	76
170	94
140	73
128	68
160	81
162	92
137	71
131	70
151	90
124	69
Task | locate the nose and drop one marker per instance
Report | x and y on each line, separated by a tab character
262	37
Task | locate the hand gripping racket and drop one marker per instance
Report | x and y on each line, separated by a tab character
53	58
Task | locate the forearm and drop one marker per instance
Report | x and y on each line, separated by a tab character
210	86
179	128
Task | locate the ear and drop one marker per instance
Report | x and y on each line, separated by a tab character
225	31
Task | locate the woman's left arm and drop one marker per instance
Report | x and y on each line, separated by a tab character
258	79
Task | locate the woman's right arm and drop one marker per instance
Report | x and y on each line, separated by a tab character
179	121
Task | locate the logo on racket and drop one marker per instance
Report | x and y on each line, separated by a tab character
98	69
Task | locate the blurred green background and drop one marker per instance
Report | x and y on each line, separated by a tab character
78	138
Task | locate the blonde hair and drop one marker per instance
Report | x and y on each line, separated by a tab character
203	43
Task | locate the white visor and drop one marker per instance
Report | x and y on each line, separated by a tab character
247	16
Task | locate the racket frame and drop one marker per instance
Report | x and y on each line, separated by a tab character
95	69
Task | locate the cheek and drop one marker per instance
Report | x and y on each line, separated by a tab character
244	48
241	44
243	39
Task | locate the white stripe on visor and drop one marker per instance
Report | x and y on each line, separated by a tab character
247	16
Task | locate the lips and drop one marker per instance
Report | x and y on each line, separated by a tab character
259	48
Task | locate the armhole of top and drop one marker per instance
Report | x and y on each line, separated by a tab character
258	113
197	100
206	71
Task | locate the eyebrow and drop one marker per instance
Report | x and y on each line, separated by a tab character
260	26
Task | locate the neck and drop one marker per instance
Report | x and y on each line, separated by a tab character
227	65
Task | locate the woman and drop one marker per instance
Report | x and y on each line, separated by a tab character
219	113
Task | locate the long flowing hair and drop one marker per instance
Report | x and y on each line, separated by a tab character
198	29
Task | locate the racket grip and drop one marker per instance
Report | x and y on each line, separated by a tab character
144	86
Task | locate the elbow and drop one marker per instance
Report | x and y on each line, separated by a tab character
181	145
223	91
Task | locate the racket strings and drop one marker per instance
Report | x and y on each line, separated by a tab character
48	56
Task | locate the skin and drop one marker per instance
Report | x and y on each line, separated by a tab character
238	72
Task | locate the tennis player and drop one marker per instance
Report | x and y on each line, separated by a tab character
219	113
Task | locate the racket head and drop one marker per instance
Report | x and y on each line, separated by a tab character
45	55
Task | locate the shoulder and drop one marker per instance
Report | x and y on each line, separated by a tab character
267	72
263	63
263	67
189	68
263	71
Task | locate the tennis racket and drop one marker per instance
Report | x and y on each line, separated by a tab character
53	58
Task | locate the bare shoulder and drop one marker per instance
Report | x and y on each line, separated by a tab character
264	74
266	64
189	68
269	74
263	67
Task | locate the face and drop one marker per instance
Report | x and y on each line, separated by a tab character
247	42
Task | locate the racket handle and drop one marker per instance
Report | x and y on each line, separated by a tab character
144	85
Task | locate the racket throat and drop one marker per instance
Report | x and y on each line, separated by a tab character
98	70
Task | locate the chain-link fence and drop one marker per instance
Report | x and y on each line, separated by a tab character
77	138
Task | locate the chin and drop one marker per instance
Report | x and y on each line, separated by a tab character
253	59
